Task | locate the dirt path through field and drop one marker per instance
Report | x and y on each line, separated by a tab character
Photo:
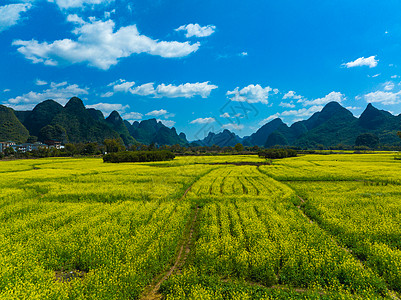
152	292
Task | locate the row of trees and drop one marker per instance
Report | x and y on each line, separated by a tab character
365	141
138	156
277	153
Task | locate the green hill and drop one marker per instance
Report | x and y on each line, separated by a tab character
11	129
42	115
150	131
79	124
116	123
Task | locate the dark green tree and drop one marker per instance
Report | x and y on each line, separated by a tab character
367	139
114	145
32	139
239	147
50	132
9	151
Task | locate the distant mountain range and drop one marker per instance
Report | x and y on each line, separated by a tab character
74	123
332	126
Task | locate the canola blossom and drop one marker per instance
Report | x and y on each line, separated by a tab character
308	227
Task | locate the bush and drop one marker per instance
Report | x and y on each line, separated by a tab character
138	156
277	153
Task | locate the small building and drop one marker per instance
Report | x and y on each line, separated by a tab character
54	144
4	145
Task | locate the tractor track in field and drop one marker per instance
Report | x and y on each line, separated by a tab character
152	291
392	294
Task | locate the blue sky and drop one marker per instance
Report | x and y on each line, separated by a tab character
202	65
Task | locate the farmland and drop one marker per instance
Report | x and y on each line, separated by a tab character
308	227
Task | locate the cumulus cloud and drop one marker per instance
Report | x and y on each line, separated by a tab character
146	89
157	113
251	94
225	115
67	4
353	108
186	90
123	86
168	123
40	82
197	30
272	117
370	61
132	116
107	95
107	108
303	112
60	92
333	96
233	126
388	86
292	95
11	14
288	105
99	45
385	98
203	120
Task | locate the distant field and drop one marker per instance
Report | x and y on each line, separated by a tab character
309	227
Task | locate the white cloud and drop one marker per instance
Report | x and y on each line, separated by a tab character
385	98
203	121
251	94
244	54
107	14
225	115
197	30
107	95
187	90
107	108
288	105
300	114
388	86
272	117
303	112
333	96
233	126
60	92
292	95
132	116
370	61
6	90
11	14
157	113
374	76
395	76
168	123
353	107
146	89
67	4
100	46
123	86
40	82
